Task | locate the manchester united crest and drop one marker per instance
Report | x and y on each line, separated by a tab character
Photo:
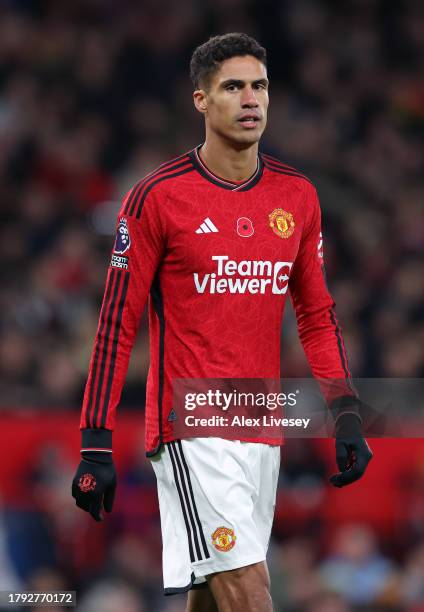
223	539
282	223
87	483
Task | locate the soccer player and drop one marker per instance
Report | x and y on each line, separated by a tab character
182	233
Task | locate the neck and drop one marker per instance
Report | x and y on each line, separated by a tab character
227	162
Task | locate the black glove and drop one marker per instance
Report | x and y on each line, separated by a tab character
352	451
94	483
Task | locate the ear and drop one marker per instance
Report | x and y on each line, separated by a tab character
200	102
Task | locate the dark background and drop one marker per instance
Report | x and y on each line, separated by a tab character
95	94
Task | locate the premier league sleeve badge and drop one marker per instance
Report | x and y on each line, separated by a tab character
123	240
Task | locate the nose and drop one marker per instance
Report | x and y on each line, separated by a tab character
248	99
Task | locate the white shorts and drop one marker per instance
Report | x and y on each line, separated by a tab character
216	500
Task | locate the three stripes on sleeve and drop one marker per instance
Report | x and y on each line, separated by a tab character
99	389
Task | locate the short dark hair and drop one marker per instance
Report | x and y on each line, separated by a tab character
207	58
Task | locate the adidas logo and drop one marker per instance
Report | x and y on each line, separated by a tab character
207	227
172	416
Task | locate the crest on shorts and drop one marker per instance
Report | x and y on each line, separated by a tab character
224	539
87	483
123	240
282	223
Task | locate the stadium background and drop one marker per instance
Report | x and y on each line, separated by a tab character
93	95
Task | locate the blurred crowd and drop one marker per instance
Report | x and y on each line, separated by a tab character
93	95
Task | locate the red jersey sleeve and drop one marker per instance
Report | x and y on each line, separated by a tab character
319	331
137	252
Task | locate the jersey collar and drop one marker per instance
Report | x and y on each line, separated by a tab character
216	180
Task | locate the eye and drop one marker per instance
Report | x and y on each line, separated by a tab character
231	87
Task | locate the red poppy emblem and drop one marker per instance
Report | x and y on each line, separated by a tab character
244	227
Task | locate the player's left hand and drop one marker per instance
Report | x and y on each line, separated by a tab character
352	451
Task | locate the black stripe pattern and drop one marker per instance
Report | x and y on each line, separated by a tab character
103	316
216	180
121	304
157	303
196	540
176	167
271	163
110	326
340	345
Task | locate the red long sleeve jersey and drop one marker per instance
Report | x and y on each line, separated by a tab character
216	261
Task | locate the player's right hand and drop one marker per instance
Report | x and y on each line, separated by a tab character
94	484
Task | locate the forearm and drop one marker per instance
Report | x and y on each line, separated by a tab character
322	341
